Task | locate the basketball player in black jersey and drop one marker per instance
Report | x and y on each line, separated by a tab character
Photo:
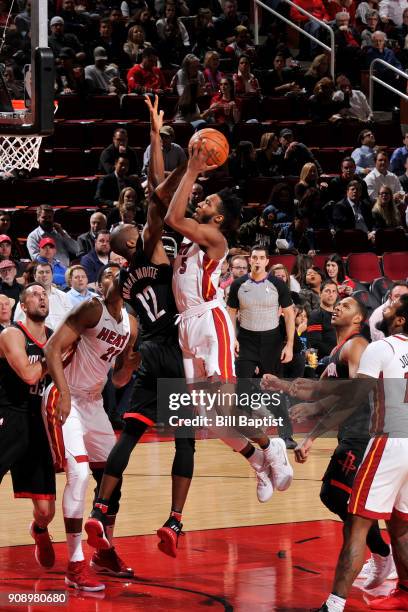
146	286
24	446
353	435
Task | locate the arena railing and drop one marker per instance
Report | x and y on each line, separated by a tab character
374	79
292	24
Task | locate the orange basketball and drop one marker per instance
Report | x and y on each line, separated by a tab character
215	142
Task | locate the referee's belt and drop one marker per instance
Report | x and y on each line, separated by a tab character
199	309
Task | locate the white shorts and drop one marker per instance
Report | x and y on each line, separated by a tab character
207	343
87	432
380	488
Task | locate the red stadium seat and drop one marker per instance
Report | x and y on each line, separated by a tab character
390	240
364	267
320	259
323	240
103	107
134	108
396	265
287	260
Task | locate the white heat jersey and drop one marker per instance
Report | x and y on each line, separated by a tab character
195	276
96	352
387	360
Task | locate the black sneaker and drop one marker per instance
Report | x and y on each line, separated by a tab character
169	535
95	528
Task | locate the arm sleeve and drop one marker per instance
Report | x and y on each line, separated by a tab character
374	358
233	301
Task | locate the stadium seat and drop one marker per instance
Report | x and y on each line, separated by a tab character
100	133
287	260
351	241
323	239
70	134
390	240
259	189
320	259
364	267
134	107
103	107
367	299
380	287
395	265
69	107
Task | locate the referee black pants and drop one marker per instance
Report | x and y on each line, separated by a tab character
262	350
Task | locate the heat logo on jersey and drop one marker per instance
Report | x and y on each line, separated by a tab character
112	337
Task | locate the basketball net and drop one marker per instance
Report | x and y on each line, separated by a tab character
19	152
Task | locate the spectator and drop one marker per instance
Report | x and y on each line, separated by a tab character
223	108
308	179
313	202
281	80
110	185
364	155
281	204
318	9
373	25
135	44
196	196
242	163
77	280
6	305
8	283
173	154
128	210
301	323
86	242
170	18
402	31
321	334
6	251
15	87
376	330
74	22
300	267
97	258
334	270
403	179
352	212
267	156
5	222
259	230
225	25
348	51
118	148
385	213
323	107
319	68
58	39
297	235
337	188
392	11
47	228
244	81
241	45
101	78
211	73
67	81
380	176
364	9
59	303
384	99
47	255
203	33
355	102
238	266
294	155
399	157
143	17
314	281
188	110
22	20
113	47
188	74
146	77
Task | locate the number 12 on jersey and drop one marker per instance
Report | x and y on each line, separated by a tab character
149	302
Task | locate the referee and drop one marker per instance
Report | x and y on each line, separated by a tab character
260	299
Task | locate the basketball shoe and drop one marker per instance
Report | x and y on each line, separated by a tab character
44	552
264	486
78	577
396	600
379	570
169	535
277	462
109	562
95	528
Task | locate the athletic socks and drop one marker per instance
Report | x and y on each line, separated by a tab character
256	459
74	543
335	603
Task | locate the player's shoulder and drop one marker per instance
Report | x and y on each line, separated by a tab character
381	346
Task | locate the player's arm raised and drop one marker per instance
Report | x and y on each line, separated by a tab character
129	360
85	316
12	346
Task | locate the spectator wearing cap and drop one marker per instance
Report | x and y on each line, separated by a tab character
294	155
8	284
66	246
110	186
173	154
65	77
6	306
76	278
47	252
112	152
6	247
98	257
146	77
58	39
103	78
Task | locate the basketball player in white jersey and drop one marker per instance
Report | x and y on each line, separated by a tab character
380	489
206	334
104	335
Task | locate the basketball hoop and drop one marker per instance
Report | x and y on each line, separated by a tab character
19	152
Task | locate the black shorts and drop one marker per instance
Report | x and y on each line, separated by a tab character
344	463
159	360
25	451
259	349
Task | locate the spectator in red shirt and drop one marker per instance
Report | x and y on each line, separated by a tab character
223	108
245	82
318	9
146	77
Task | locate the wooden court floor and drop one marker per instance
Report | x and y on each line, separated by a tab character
227	530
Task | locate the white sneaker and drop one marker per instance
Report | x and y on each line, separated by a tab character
280	470
264	486
366	569
380	570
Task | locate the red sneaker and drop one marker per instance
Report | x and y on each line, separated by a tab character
396	600
95	529
109	562
169	535
78	577
44	552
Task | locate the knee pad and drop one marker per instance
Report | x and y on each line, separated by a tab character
183	464
73	501
113	506
335	499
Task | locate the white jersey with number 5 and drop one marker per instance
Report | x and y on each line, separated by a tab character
96	352
195	277
387	360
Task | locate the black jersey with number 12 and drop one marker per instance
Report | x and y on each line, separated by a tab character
146	287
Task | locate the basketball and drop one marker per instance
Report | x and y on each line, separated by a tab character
215	142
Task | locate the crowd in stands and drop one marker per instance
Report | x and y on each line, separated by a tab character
203	53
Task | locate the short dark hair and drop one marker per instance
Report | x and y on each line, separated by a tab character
380	152
120	131
328	282
349	160
149	52
230	207
362	309
402	311
41	263
23	294
362	135
110	264
259	247
44	207
102	232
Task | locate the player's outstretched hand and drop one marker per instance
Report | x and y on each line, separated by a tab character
63	407
303	388
156	116
199	156
302	450
303	411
